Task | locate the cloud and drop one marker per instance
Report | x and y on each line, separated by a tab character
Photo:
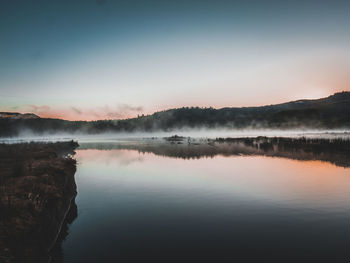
38	109
43	111
76	110
122	111
118	111
126	107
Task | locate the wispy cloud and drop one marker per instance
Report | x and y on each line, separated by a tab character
38	109
118	111
76	110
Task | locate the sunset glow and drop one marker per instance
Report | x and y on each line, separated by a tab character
103	60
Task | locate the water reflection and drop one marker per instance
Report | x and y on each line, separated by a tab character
336	151
258	177
245	200
175	202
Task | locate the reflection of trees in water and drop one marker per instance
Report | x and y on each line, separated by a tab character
336	151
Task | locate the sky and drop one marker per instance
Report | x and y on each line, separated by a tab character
104	59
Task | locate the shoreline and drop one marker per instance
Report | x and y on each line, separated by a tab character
37	190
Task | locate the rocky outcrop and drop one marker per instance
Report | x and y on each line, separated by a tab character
37	189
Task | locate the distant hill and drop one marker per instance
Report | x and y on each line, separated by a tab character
332	112
16	115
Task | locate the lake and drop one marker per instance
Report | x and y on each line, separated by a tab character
136	204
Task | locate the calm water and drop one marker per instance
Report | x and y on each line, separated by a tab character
135	207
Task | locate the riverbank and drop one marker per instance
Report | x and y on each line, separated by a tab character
37	188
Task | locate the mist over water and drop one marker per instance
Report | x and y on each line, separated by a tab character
26	136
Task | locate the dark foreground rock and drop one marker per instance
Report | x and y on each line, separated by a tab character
37	192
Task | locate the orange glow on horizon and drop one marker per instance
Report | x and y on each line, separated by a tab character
107	113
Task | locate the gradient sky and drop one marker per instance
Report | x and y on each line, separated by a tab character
98	59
